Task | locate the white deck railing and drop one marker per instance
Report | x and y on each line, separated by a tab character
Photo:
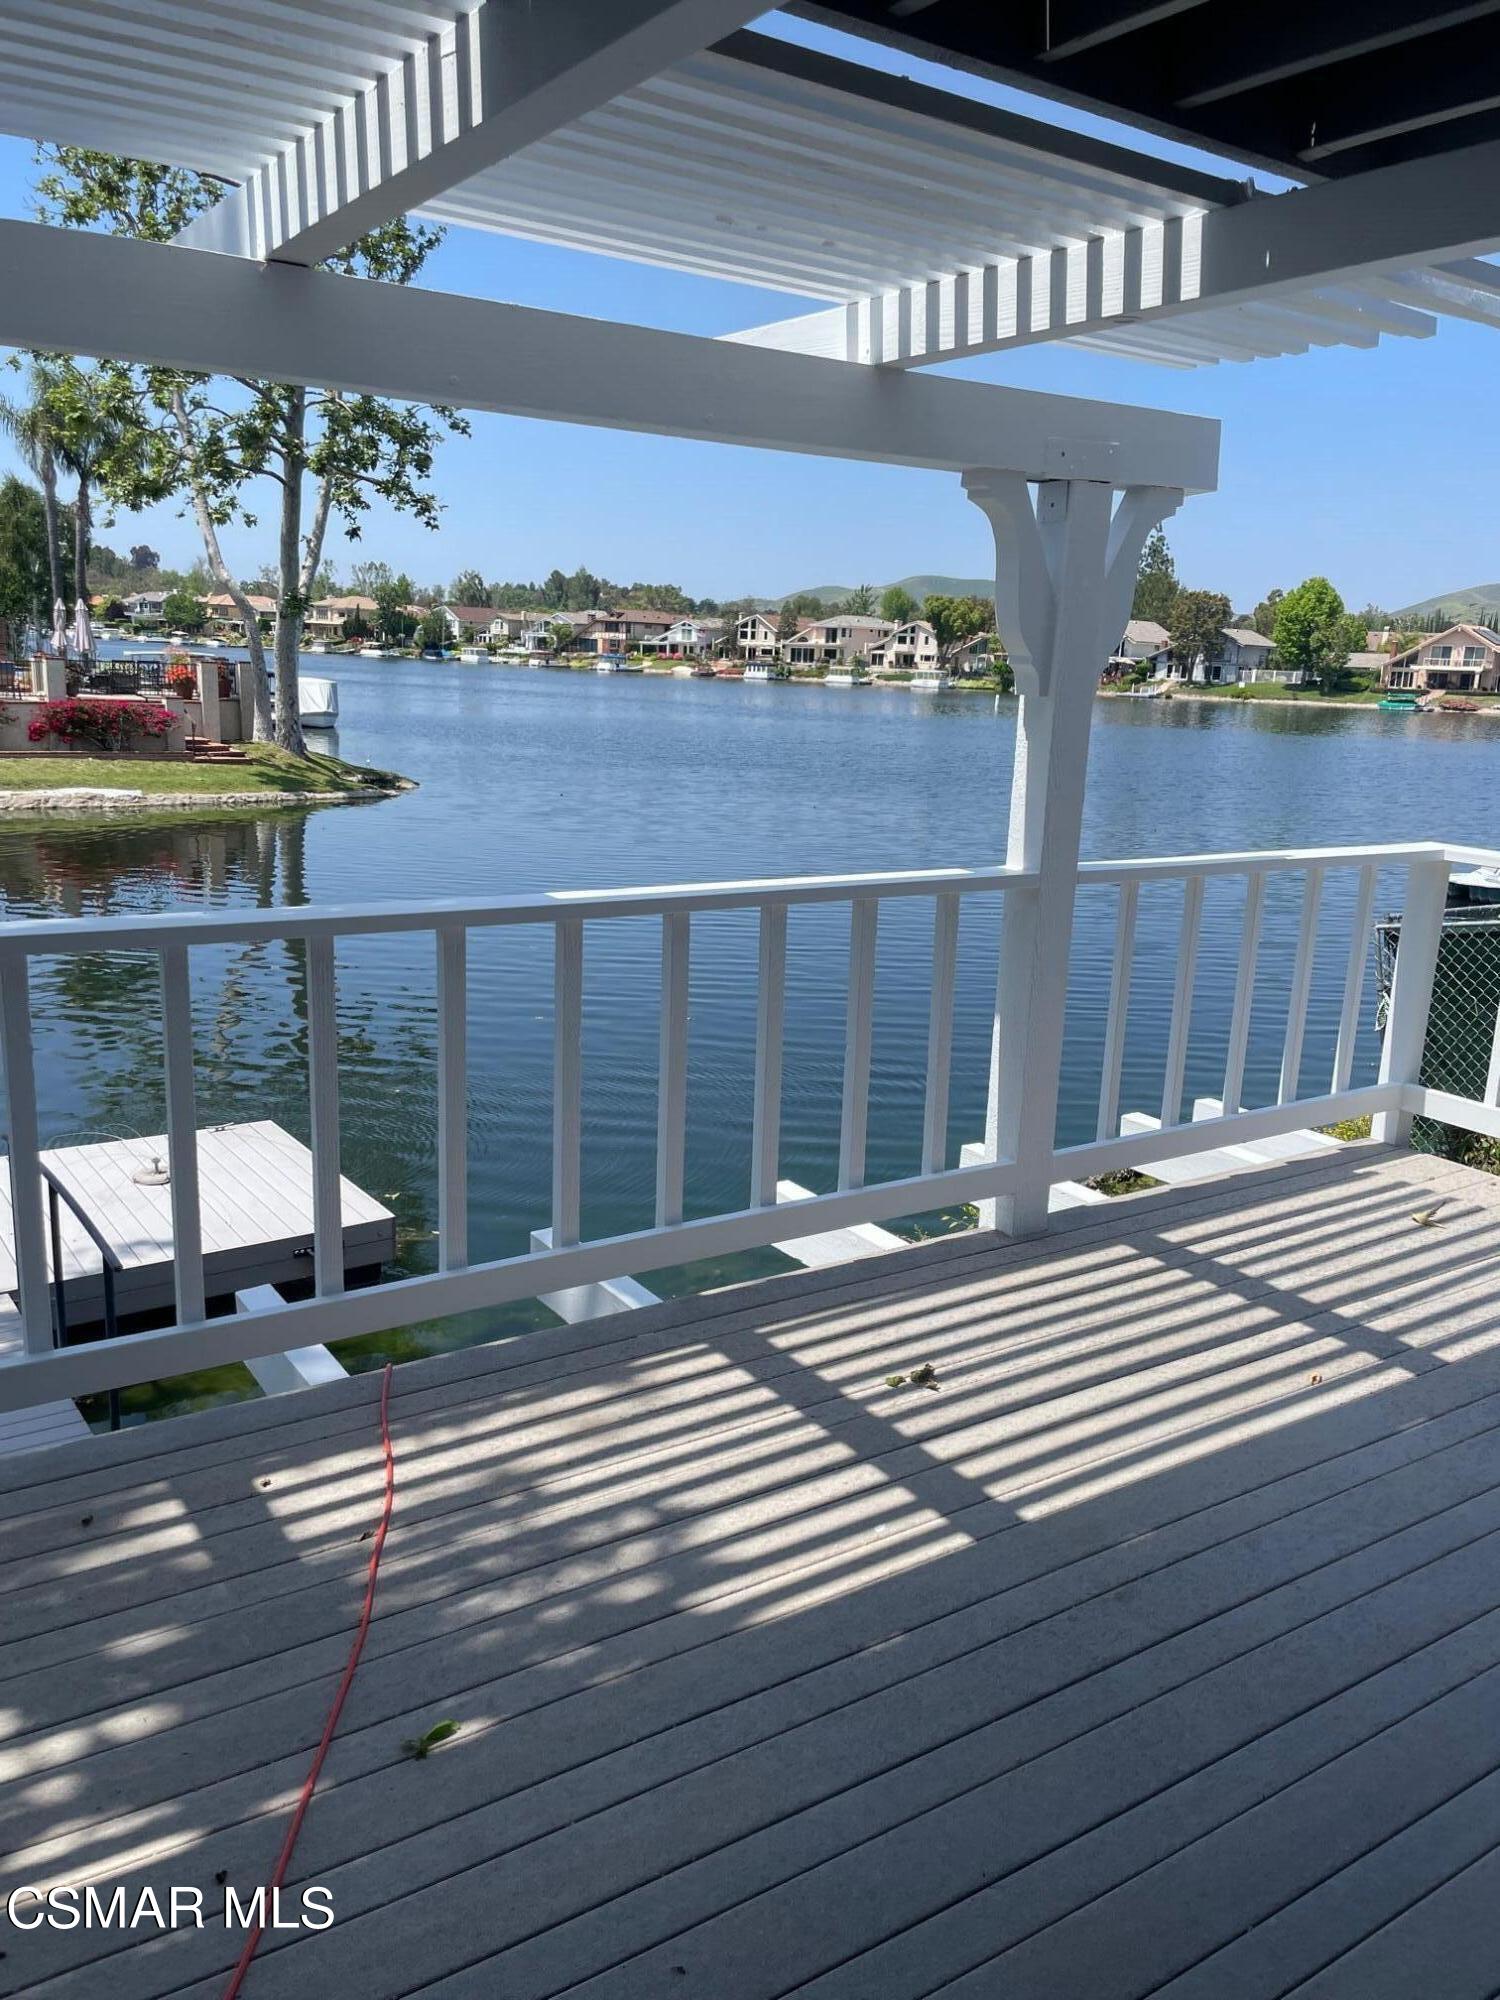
457	1285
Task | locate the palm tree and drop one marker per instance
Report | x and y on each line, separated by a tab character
32	428
82	444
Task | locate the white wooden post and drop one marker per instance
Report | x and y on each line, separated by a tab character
1064	573
1411	990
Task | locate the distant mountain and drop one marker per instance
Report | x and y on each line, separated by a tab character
920	587
1480	601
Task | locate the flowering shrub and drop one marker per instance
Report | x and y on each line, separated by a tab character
109	725
181	680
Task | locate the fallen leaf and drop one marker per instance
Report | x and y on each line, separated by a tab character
419	1746
894	1381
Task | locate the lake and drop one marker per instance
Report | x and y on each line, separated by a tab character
535	780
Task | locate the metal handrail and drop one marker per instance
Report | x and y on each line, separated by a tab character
57	1193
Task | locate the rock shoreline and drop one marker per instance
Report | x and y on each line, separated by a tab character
103	798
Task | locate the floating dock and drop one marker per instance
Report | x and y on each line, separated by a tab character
256	1199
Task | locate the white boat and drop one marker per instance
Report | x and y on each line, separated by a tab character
931	680
373	653
848	677
317	646
471	656
317	702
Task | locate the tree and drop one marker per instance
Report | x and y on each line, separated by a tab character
1263	617
91	429
897	604
956	620
392	619
433	630
861	601
1196	624
30	426
1155	581
1313	631
142	556
178	437
183	612
468	587
787	623
25	553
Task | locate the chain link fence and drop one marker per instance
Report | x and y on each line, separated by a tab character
1460	1025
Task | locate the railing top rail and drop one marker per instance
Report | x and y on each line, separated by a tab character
1270	859
309	920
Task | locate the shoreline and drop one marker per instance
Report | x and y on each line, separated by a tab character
122	799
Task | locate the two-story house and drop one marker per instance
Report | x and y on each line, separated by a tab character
625	631
1241	655
909	648
1463	660
686	639
837	641
1144	642
144	607
226	618
329	617
755	637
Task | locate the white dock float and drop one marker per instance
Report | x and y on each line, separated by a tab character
257	1206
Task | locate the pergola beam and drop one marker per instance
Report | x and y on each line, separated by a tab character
75	292
1071	26
1336	234
502	77
1246	49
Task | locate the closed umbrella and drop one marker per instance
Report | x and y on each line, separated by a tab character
83	631
59	626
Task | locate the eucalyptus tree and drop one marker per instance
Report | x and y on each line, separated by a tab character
326	454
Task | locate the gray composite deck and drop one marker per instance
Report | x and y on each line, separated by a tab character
1156	1651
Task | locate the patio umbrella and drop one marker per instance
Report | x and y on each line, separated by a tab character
83	632
59	626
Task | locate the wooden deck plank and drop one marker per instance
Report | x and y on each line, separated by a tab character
954	1688
1062	1679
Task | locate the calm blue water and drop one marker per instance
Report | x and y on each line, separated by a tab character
533	780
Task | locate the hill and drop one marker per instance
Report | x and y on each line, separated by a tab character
1480	601
920	587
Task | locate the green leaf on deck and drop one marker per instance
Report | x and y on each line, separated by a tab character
419	1746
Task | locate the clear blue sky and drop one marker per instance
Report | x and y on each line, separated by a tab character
1340	461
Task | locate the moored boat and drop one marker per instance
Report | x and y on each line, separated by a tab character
317	702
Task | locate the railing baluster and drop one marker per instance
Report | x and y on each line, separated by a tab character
1182	1000
1354	980
671	1097
323	1090
1244	993
567	1081
770	1008
856	1100
453	1097
182	1134
940	1034
1119	1010
25	1175
1302	971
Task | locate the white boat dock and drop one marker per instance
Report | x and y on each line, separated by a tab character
257	1206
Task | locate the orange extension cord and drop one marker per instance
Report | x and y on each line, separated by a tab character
310	1784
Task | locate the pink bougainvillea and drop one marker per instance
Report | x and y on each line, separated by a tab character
107	725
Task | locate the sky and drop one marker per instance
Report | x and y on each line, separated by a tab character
1342	462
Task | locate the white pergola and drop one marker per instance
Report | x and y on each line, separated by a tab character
930	225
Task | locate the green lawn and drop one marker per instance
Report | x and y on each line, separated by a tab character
265	770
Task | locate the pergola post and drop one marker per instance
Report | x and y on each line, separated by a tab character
1065	569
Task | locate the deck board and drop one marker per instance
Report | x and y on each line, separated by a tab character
1157	1650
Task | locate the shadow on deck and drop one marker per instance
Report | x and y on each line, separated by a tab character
1155	1651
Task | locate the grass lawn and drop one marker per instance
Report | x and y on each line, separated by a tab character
266	769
